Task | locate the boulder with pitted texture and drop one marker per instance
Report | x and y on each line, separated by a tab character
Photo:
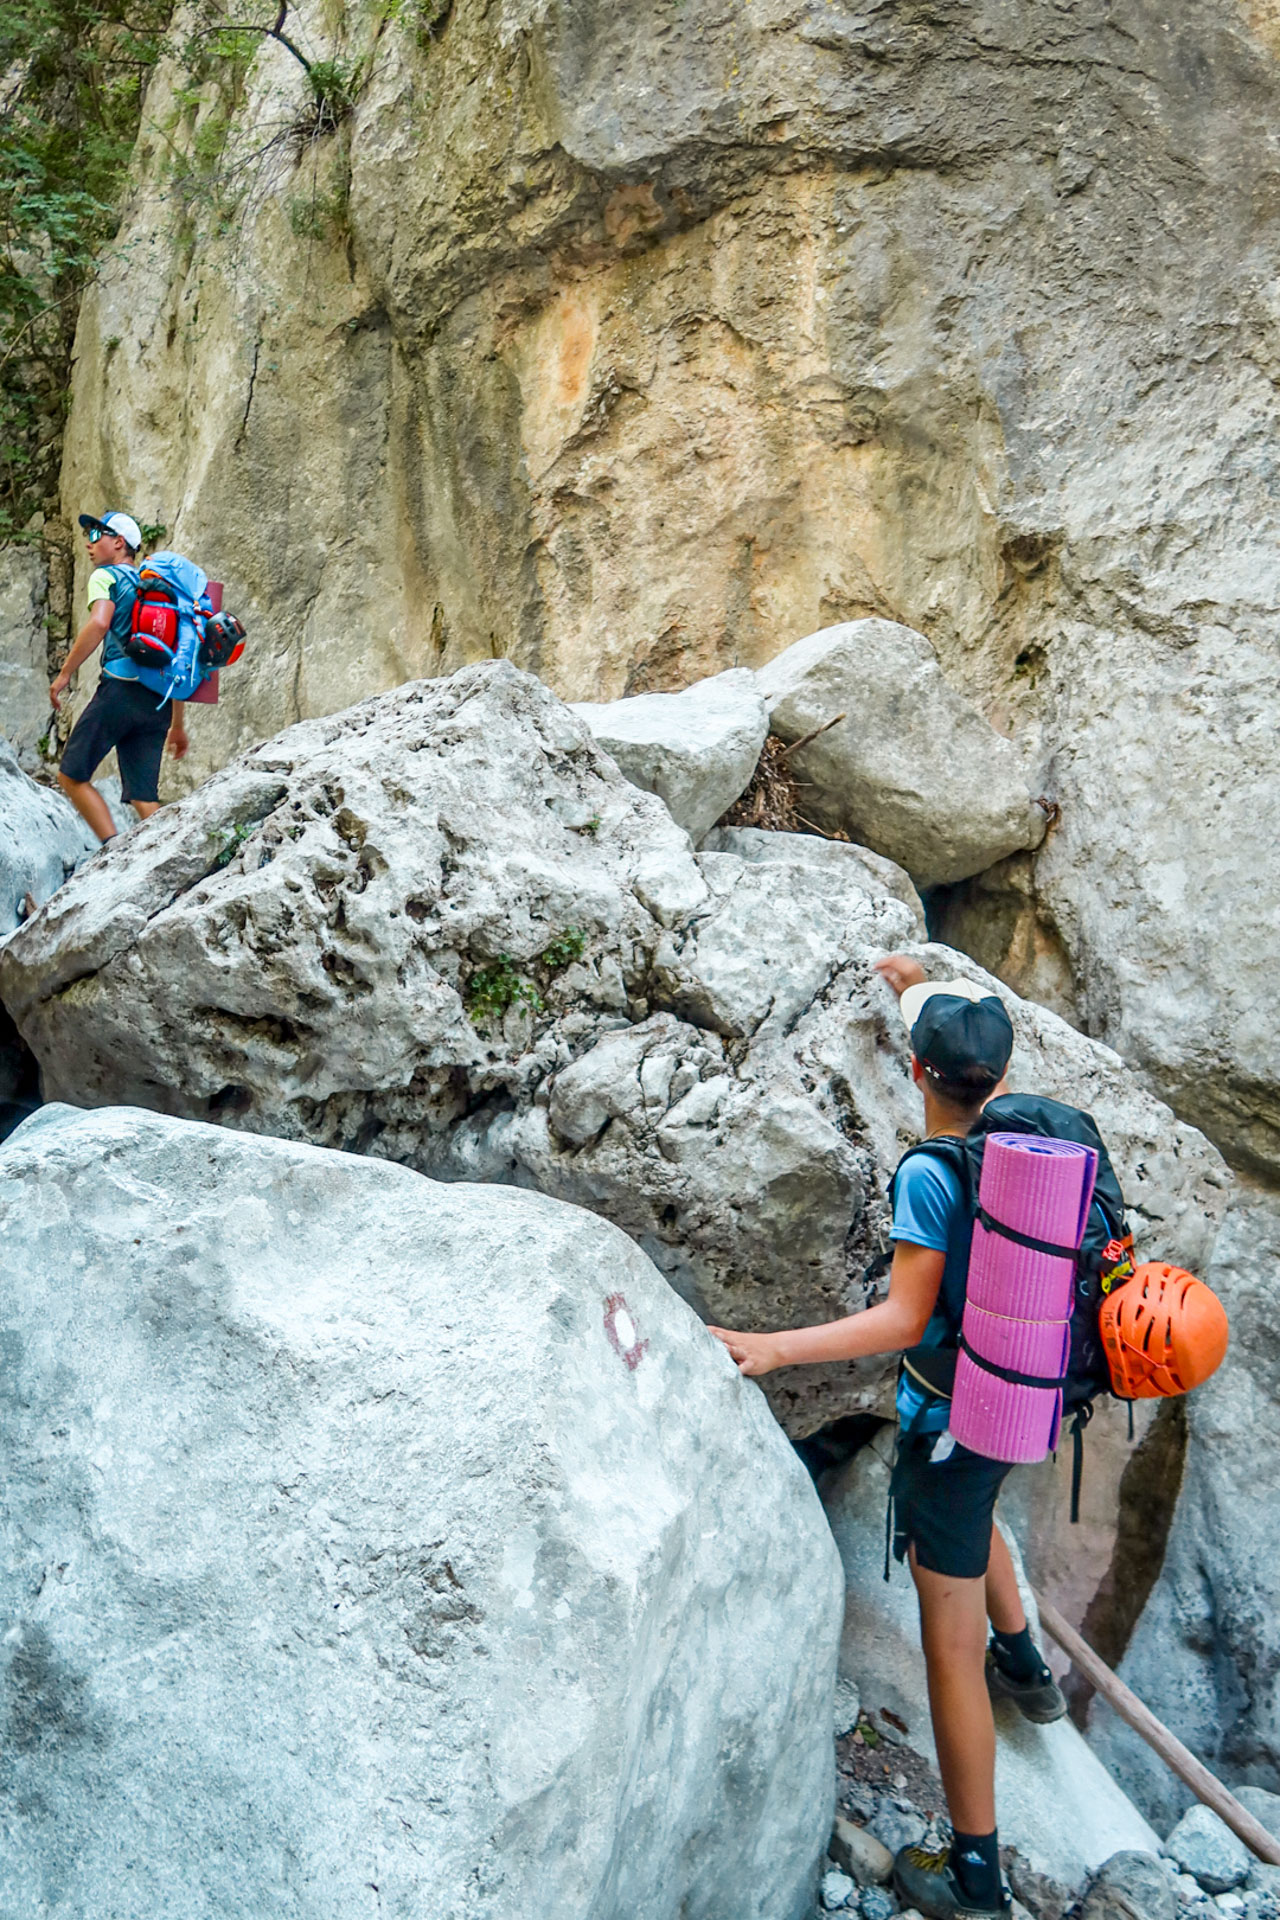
443	929
42	840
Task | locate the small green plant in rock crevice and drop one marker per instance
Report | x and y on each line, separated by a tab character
334	86
493	989
564	949
232	839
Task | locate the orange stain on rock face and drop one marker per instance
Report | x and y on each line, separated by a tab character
575	344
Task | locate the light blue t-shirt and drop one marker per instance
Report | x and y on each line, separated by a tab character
929	1210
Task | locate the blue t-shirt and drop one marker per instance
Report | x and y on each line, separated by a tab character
929	1210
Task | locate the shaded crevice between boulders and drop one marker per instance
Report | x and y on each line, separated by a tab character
19	1078
1149	1489
773	798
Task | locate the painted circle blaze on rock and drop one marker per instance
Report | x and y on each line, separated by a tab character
345	1547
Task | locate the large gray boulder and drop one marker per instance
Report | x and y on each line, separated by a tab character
25	713
1054	1801
913	769
42	840
1264	1806
1206	1651
442	928
371	1543
696	749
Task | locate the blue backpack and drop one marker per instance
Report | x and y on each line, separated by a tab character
176	640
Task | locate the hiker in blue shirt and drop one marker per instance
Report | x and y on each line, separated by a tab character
122	713
943	1494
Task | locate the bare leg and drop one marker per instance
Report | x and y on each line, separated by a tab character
953	1630
145	808
1004	1602
89	804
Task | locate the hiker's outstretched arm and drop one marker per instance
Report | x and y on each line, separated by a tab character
177	741
897	1322
90	636
901	972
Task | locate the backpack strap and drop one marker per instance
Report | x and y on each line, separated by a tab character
947	1147
1084	1414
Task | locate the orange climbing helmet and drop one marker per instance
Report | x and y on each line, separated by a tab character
1164	1332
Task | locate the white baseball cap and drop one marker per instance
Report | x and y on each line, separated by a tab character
115	522
913	998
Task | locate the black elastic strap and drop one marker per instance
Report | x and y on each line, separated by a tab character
888	1510
1008	1373
1084	1414
888	1533
1077	1469
993	1225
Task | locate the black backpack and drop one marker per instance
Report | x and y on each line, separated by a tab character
1104	1261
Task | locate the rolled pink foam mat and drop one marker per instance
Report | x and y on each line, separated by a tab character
1038	1187
1000	1421
1024	1346
1000	1271
1018	1302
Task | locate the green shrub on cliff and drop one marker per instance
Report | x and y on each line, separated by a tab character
75	74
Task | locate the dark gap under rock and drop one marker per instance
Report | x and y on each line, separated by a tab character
19	1078
1149	1489
835	1444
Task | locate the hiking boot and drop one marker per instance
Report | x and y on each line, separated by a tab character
1041	1699
927	1881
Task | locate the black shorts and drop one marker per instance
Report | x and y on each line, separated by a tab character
944	1508
122	714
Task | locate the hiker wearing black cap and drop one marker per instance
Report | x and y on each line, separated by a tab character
943	1496
122	713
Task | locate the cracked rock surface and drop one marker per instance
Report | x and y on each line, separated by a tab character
442	929
1208	1641
363	1532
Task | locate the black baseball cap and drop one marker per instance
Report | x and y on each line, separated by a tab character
960	1032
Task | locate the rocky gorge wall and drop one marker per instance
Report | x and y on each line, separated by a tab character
635	344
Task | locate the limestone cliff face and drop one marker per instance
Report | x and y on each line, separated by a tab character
651	338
